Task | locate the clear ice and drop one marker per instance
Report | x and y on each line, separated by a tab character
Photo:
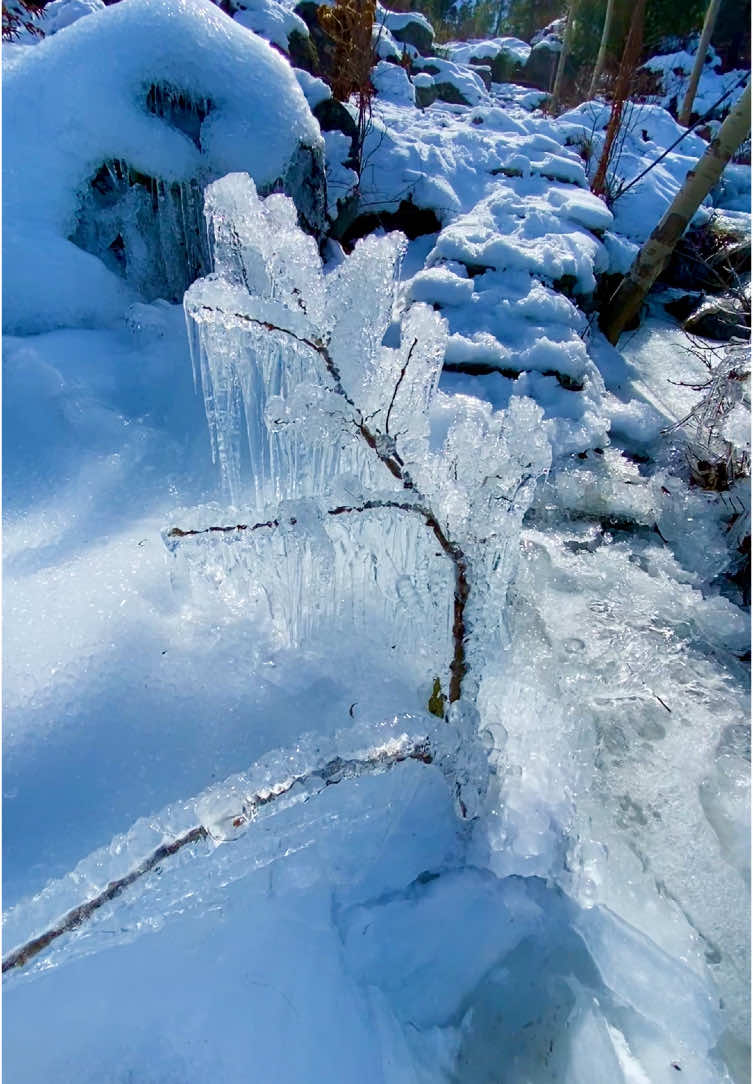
307	408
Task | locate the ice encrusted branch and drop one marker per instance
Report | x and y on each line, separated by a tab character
449	549
384	448
294	366
304	786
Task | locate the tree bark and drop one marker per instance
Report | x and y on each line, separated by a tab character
564	53
601	56
708	27
630	56
653	257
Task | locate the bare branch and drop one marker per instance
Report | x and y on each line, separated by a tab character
403	371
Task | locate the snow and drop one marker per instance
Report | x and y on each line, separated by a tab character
188	45
673	70
442	286
62	13
649	131
273	21
589	919
391	83
315	90
464	52
531	225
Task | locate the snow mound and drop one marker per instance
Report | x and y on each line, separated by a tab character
532	225
187	95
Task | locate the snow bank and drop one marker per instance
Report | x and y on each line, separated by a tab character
66	115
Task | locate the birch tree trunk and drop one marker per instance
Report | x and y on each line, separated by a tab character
652	258
602	54
564	53
708	27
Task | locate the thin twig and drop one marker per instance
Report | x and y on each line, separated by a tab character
403	371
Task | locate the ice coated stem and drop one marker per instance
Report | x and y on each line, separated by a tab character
458	666
394	465
335	771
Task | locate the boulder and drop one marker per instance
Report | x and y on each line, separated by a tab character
540	68
722	318
110	209
410	28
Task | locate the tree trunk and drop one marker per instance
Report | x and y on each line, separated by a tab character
652	258
554	104
602	54
708	26
630	57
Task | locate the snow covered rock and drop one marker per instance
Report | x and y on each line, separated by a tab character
447	82
505	56
532	225
391	81
272	21
538	70
672	73
315	90
106	163
409	27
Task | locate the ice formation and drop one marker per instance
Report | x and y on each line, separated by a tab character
346	491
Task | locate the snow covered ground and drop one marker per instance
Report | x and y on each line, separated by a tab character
591	923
